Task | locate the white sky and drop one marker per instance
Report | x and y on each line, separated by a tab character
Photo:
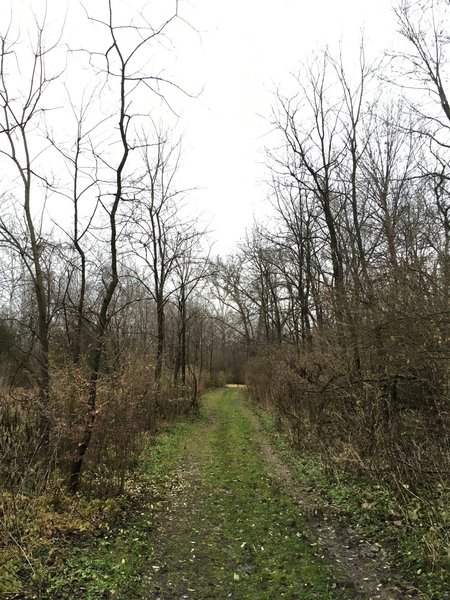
249	47
244	50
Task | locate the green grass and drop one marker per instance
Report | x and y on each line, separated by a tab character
241	535
416	536
201	519
114	563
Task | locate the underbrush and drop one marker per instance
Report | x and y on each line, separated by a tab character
37	532
39	520
58	546
411	523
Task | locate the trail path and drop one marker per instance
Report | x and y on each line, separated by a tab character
231	525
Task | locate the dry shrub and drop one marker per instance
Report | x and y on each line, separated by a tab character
305	390
385	431
215	379
24	462
130	406
393	424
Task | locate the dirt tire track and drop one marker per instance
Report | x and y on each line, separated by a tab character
365	564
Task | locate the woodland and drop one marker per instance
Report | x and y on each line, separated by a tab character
116	317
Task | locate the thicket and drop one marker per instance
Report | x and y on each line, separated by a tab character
104	334
342	300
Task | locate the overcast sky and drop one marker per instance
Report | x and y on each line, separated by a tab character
248	49
243	51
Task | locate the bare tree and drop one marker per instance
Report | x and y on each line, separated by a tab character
314	149
84	181
230	284
158	235
424	26
122	69
21	113
191	269
424	67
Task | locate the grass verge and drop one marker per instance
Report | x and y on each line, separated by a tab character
416	538
59	547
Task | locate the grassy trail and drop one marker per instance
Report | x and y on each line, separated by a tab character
210	523
227	531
